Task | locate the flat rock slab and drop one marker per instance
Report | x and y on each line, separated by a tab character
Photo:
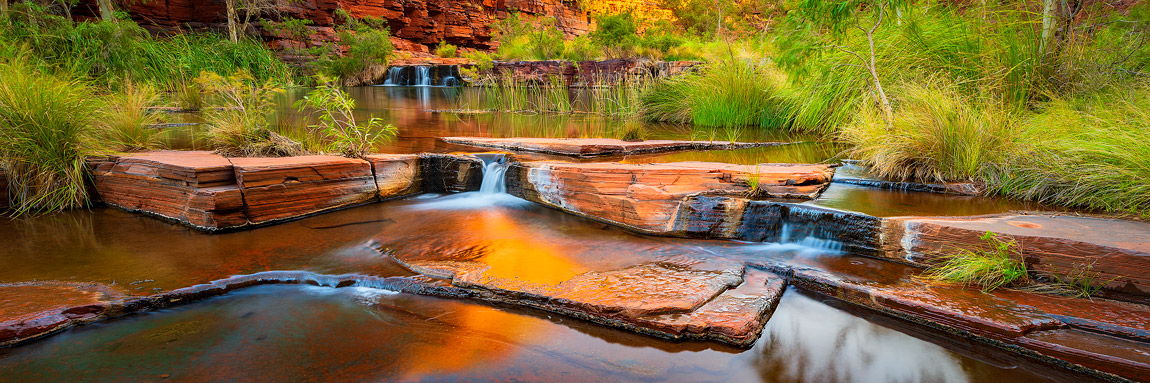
593	147
1116	251
649	197
1101	334
209	192
678	297
32	310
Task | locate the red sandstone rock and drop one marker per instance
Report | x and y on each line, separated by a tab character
589	147
648	197
32	310
1117	251
192	187
1114	355
417	23
396	175
590	73
678	297
289	187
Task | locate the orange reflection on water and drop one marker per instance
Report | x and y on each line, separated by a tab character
513	254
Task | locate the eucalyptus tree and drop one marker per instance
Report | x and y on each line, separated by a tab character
818	25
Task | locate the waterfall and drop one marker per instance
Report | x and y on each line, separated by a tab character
394	76
495	167
811	238
449	80
424	75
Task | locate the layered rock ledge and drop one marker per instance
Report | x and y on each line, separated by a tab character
594	147
209	192
657	198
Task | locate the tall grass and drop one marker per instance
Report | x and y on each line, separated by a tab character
1090	152
45	135
937	134
730	93
125	123
988	268
239	122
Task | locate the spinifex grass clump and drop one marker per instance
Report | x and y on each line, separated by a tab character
239	117
126	123
729	93
988	268
1091	152
45	134
937	135
337	123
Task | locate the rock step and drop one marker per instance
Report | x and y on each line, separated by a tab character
674	298
1099	334
210	192
649	197
594	147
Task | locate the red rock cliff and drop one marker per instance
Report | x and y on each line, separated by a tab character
415	24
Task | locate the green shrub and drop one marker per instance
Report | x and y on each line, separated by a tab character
45	135
445	50
617	34
337	123
367	46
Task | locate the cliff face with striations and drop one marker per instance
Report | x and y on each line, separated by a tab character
416	25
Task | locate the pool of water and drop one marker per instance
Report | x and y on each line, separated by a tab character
304	333
301	333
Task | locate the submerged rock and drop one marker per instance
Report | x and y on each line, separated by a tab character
35	309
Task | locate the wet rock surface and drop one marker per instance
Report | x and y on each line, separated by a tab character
31	310
591	147
1116	251
648	197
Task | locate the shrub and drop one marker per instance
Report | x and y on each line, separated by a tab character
937	135
337	123
367	46
126	121
445	50
45	136
729	93
617	34
238	122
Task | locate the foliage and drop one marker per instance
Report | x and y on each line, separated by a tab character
520	38
335	111
445	50
239	119
731	93
126	122
366	46
113	52
45	136
617	34
988	268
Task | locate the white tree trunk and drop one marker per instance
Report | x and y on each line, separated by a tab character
232	33
1047	24
107	11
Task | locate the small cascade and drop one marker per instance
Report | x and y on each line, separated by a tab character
394	76
449	80
494	170
423	76
815	239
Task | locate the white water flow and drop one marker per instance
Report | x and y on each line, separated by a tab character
809	240
393	76
494	170
424	75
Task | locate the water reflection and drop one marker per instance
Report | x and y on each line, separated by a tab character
299	333
807	341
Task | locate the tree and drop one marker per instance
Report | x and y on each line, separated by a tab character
250	9
827	23
107	10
